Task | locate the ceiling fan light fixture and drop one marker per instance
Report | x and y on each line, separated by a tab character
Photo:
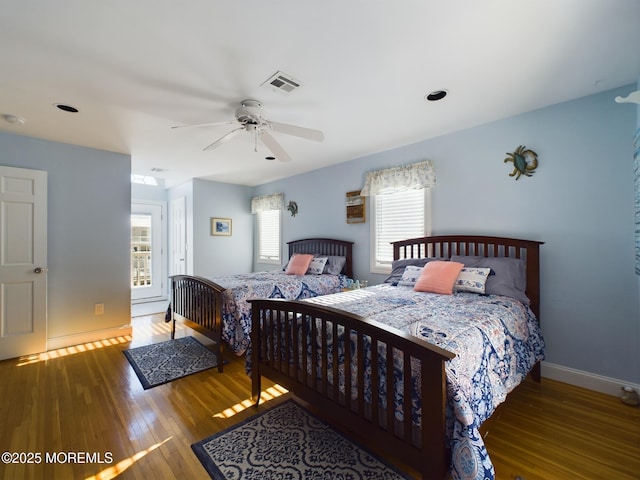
436	95
14	119
250	117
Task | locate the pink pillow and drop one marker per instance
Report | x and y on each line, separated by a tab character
438	277
299	264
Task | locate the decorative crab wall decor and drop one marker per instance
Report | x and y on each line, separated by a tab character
524	161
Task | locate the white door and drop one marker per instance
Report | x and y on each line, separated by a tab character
179	236
147	251
23	262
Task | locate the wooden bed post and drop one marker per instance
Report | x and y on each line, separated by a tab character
256	341
436	460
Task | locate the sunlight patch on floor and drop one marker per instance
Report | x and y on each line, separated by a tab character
66	351
115	470
266	395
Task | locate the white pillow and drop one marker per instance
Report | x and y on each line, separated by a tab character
410	275
316	266
472	280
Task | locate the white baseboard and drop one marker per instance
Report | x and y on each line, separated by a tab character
86	337
152	308
579	378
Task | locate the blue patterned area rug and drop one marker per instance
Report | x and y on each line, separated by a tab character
288	442
163	362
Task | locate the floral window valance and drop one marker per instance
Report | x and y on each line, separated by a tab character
405	177
267	202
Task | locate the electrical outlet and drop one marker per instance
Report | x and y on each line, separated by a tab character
98	309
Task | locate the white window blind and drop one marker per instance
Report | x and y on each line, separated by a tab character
397	216
269	236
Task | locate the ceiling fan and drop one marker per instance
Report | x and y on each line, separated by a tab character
250	117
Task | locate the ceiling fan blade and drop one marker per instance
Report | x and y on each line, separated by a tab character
274	146
224	138
209	124
302	132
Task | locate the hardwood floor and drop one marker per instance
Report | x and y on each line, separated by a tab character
87	401
552	430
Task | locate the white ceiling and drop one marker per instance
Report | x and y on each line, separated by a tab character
134	68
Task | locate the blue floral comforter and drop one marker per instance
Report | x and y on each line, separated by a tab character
496	340
236	311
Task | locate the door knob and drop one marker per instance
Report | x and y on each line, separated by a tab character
38	270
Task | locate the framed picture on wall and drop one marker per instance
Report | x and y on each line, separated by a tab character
221	226
355	207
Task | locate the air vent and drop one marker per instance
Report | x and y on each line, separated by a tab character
282	82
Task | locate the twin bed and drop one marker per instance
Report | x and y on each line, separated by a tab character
218	307
415	373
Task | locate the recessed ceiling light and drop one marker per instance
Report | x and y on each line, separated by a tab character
66	108
16	120
436	95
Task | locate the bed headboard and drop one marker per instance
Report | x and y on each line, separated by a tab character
445	246
325	246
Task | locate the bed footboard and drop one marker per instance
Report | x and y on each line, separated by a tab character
338	362
197	302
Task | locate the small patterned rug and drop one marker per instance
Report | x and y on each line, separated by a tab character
163	362
288	442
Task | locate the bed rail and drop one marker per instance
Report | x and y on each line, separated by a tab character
319	330
197	303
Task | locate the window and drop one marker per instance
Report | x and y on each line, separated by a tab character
143	179
148	264
140	250
269	236
397	216
267	211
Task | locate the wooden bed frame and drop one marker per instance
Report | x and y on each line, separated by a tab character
197	302
423	449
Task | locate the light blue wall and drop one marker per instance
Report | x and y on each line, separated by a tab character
148	192
89	206
221	255
209	255
579	202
